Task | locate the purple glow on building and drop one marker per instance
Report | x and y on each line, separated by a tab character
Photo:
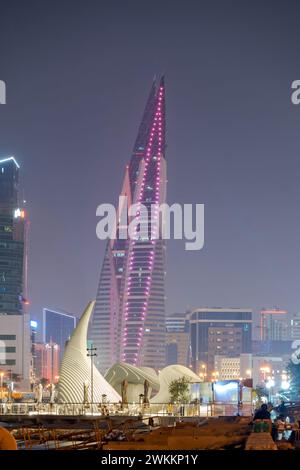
130	306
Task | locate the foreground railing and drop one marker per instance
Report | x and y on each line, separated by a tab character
131	409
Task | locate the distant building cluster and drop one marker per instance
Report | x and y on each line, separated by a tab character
218	345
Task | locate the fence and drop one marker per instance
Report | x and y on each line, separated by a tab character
131	409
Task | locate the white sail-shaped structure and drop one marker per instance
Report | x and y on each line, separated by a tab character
166	377
75	370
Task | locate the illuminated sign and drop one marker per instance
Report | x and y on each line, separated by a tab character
33	324
19	213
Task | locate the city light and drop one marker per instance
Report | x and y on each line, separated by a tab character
285	385
270	383
19	213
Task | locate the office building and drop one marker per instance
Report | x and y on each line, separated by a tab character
274	325
57	328
218	332
47	362
14	318
33	341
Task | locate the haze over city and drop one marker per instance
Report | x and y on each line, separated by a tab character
77	79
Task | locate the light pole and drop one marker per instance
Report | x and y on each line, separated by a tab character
270	384
91	353
1	383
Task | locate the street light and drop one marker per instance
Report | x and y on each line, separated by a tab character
215	376
91	353
285	384
270	384
1	384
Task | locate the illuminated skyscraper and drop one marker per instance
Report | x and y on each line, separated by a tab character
14	318
129	318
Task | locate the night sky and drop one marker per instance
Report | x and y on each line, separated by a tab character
78	74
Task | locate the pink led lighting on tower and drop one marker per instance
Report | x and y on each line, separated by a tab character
130	303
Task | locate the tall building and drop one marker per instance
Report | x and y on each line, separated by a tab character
33	341
218	332
47	362
14	318
177	340
274	325
57	328
129	317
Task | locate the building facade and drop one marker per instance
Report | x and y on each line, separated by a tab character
14	318
295	327
129	318
275	325
264	370
177	340
218	332
233	368
271	370
57	328
47	362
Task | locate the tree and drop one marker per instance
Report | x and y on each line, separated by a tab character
179	390
294	373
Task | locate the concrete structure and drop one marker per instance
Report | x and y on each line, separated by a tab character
166	376
11	344
135	377
218	331
75	372
14	318
129	319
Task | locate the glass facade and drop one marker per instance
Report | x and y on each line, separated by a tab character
58	327
12	240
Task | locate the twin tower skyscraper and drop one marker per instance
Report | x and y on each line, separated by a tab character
129	317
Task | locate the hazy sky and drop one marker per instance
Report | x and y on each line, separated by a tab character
78	74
